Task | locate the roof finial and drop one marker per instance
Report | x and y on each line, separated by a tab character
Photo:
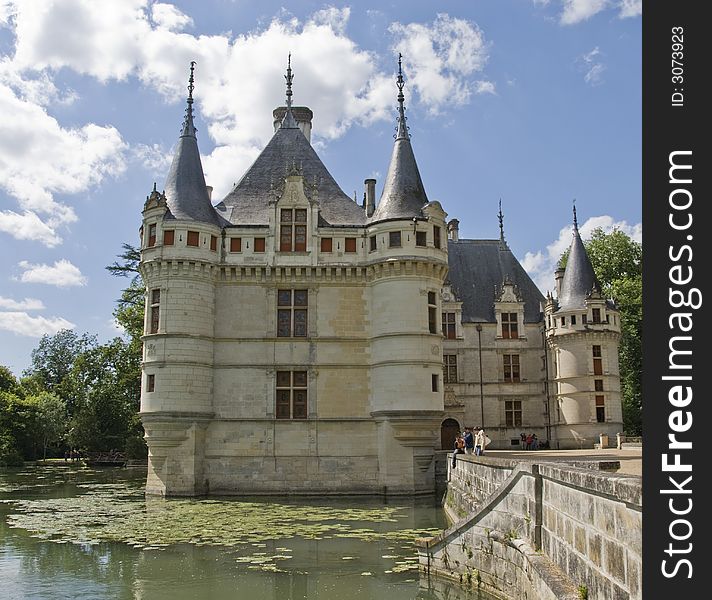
500	216
289	78
289	122
575	220
400	82
188	127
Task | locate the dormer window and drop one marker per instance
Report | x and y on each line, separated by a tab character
151	235
596	315
293	230
509	326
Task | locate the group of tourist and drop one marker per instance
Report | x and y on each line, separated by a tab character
528	441
469	442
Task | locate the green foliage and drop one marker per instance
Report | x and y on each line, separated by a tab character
50	419
129	310
17	427
583	592
617	262
105	387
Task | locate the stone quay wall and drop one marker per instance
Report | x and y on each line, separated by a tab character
539	531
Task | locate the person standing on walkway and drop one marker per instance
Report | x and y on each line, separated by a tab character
469	441
480	439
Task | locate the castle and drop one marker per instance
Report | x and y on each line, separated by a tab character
297	341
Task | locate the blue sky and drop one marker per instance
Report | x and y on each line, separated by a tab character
536	102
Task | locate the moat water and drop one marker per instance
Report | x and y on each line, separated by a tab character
73	532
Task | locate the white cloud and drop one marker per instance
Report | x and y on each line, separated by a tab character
630	8
23	324
591	63
62	274
169	17
28	226
152	157
438	58
541	264
576	11
26	304
39	158
335	18
340	81
485	87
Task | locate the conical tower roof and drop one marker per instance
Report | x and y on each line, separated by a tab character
403	194
186	193
579	276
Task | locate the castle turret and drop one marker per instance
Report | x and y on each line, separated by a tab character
583	333
179	254
408	254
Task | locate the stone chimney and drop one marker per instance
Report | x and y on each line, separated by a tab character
453	230
302	115
558	277
370	202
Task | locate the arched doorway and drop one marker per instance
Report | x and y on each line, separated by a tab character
448	432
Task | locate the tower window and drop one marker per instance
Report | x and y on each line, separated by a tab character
436	236
563	321
511	368
372	243
394	239
435	382
449	329
432	313
598	385
293	230
169	237
597	361
292	313
155	310
450	368
151	235
509	326
213	243
150	383
327	244
193	238
291	395
600	409
259	244
421	239
596	315
573	319
513	413
584	319
350	244
235	244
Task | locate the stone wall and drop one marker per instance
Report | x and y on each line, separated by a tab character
539	531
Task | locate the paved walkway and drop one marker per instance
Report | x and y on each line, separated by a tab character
631	459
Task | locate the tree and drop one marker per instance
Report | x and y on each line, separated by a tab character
130	307
617	262
51	420
54	357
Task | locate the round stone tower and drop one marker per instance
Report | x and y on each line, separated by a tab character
180	248
582	333
408	266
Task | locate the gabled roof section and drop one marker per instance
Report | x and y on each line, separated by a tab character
579	276
186	193
403	194
478	268
247	203
288	151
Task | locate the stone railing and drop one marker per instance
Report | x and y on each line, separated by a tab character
541	531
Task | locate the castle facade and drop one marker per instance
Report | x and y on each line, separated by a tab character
297	341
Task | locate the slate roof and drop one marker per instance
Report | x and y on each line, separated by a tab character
247	203
579	276
403	195
478	268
